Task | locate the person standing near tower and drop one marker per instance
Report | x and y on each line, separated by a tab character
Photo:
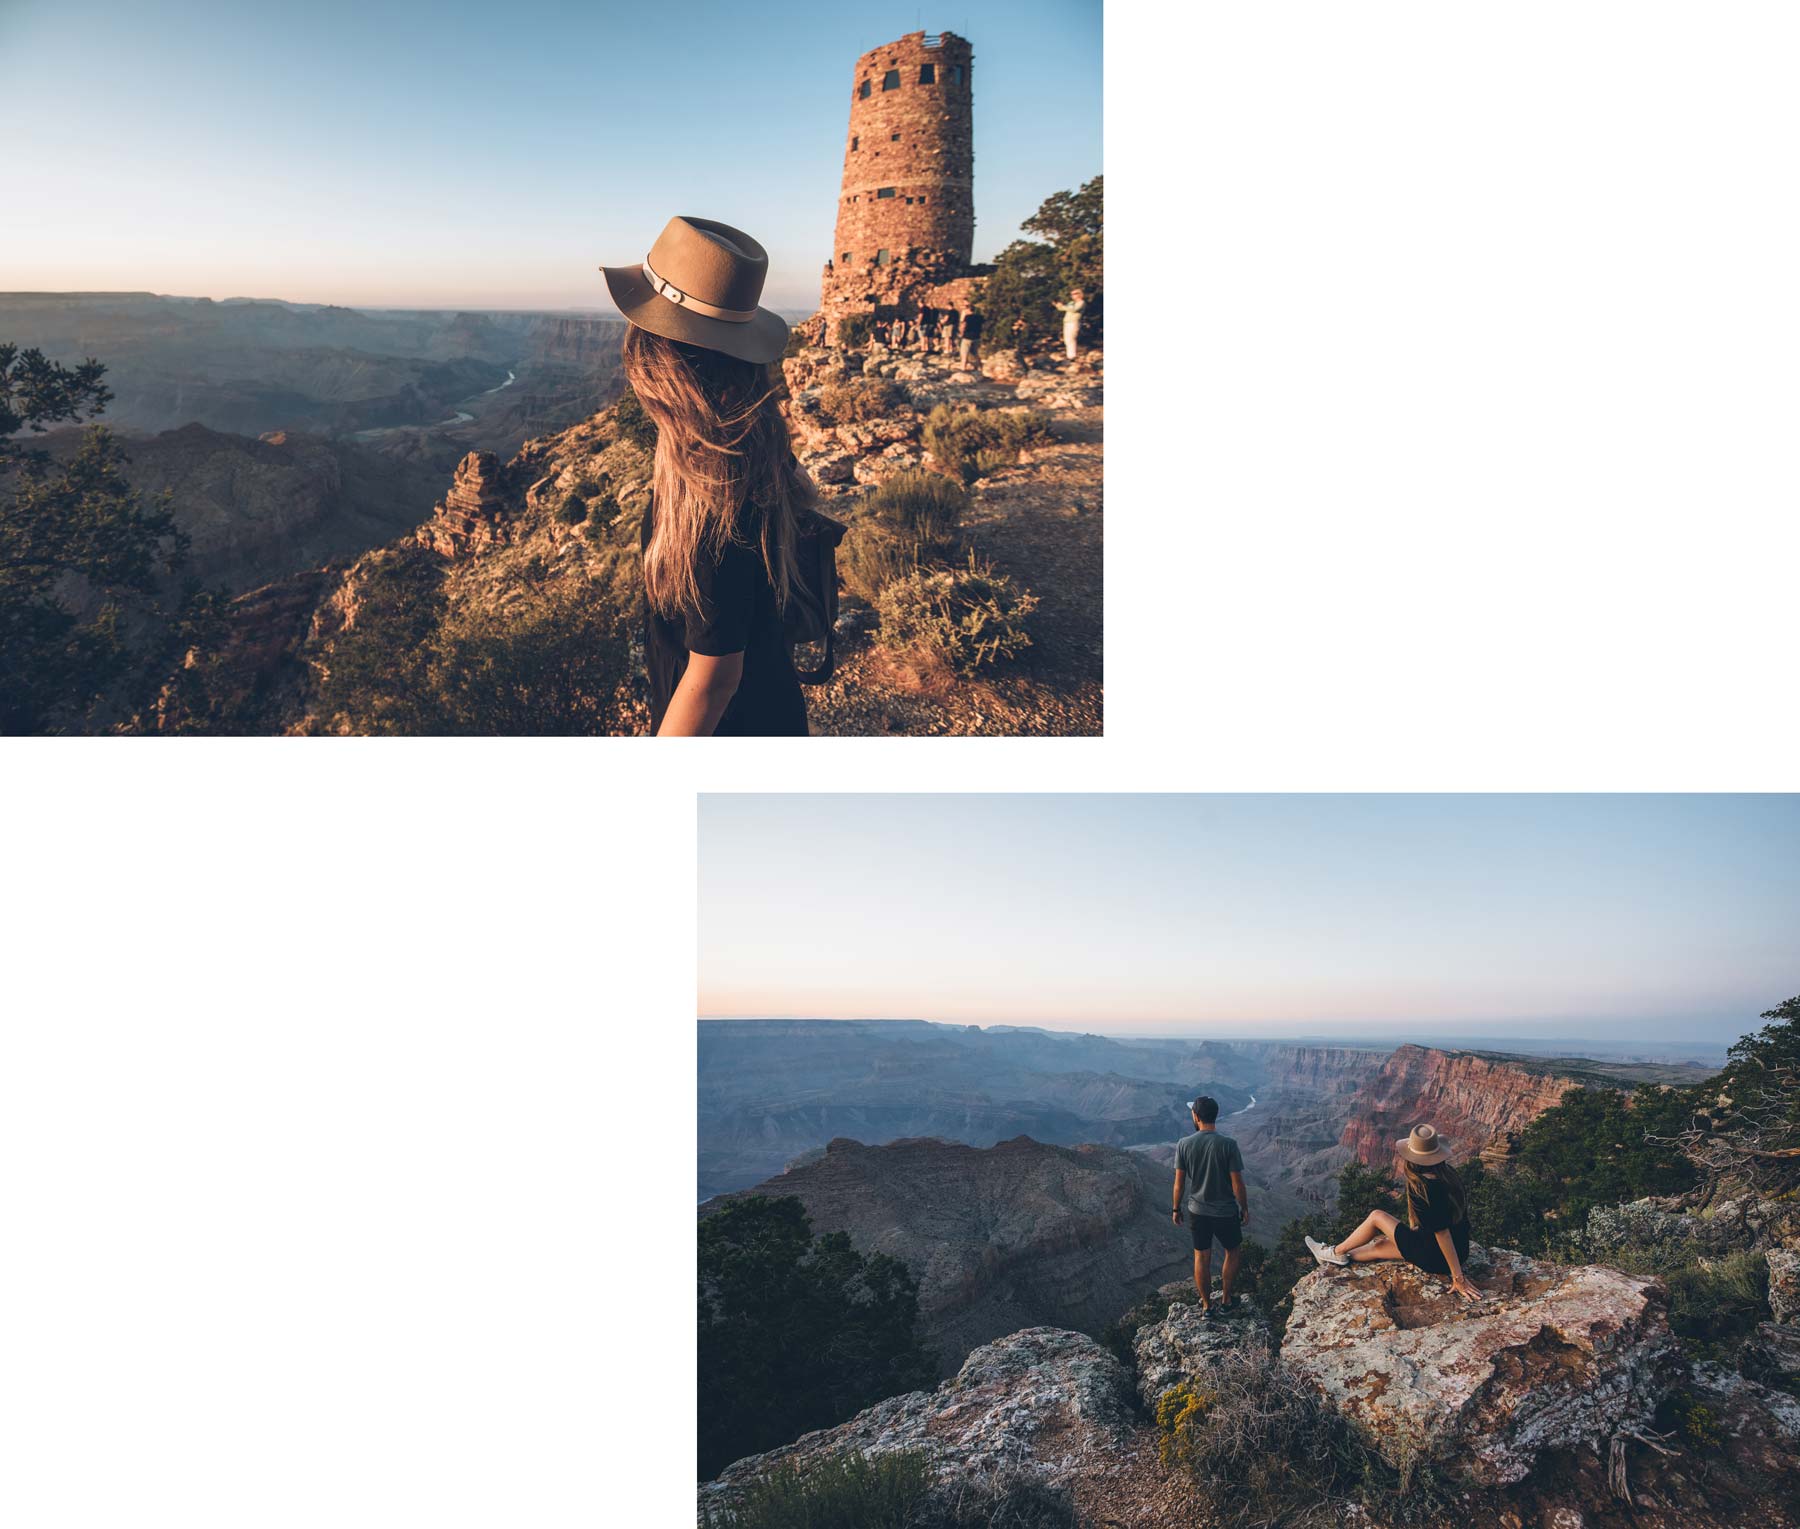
971	338
1071	312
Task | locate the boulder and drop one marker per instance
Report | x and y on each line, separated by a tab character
1772	1353
1042	1401
1183	1344
1555	1356
833	467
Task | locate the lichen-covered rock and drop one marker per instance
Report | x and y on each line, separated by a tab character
1043	1401
1184	1343
1784	1284
1553	1357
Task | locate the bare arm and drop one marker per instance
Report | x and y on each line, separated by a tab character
700	699
1180	1181
1243	1196
1458	1282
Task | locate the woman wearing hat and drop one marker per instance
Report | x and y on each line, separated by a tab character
727	493
1435	1237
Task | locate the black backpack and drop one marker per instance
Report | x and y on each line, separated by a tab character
812	606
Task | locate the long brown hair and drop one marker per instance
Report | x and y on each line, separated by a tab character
721	447
1418	1193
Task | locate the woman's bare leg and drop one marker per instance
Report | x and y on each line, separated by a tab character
1375	1252
1378	1223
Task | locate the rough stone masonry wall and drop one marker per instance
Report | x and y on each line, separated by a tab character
912	140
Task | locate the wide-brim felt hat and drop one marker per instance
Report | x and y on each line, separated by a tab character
1423	1146
702	284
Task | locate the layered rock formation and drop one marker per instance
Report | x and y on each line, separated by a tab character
1182	1344
1470	1099
474	514
1016	1235
1554	1357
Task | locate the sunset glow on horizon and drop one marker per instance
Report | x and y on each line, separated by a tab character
1657	918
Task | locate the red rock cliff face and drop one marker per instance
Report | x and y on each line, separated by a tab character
1469	1099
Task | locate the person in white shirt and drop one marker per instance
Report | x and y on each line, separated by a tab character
1071	312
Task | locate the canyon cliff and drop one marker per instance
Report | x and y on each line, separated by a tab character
1474	1101
999	1238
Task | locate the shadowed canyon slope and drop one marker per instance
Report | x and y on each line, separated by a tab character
1010	1236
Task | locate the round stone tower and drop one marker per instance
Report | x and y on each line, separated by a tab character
906	210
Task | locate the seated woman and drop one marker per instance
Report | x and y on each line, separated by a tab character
1436	1235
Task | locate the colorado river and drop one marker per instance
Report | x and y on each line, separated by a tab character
1247	1108
460	417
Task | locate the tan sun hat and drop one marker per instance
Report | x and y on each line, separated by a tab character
1423	1146
701	283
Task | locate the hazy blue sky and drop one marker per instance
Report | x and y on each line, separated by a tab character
465	154
1627	917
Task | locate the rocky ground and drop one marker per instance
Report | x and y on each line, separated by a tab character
1562	1399
1041	521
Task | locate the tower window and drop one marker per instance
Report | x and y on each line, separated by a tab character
891	80
956	77
884	192
846	257
909	201
893	137
882	257
863	93
855	142
928	74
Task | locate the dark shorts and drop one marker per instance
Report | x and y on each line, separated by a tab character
1228	1229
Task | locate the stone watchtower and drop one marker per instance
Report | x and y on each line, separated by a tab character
906	210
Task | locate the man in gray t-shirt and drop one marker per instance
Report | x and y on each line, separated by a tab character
1210	1193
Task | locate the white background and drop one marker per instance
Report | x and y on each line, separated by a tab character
346	1090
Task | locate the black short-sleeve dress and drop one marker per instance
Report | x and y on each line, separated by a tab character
738	614
1418	1245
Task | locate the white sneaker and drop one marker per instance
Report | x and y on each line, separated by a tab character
1324	1252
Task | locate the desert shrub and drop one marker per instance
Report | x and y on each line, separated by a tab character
967	442
1714	1303
796	1332
1256	1440
969	617
634	425
861	398
848	1491
913	519
854	332
1263	1446
572	511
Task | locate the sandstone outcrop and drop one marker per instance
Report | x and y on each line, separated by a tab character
1016	1235
1554	1357
1470	1099
474	513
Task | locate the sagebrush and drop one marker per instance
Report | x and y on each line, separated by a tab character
912	520
971	617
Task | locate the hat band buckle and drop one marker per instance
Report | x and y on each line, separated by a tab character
672	293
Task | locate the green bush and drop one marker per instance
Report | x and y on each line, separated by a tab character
967	442
1715	1303
854	333
1009	1501
913	519
860	399
968	617
849	1491
572	511
548	662
795	1332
